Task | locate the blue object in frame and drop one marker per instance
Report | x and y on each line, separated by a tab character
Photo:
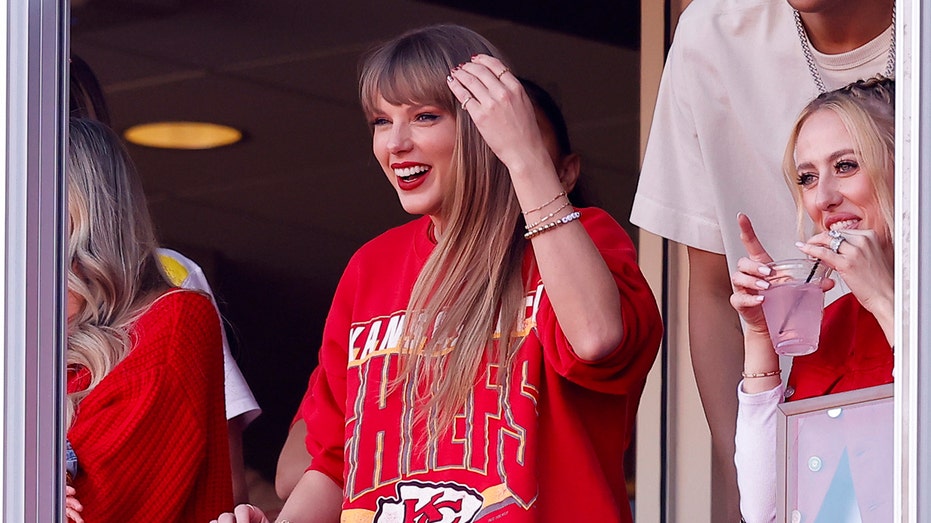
71	460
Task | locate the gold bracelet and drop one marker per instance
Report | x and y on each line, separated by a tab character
535	209
547	217
762	374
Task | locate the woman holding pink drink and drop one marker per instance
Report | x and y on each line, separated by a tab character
839	163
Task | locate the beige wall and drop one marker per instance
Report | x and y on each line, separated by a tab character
688	447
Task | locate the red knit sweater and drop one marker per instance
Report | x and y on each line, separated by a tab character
151	437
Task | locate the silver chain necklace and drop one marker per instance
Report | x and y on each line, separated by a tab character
810	58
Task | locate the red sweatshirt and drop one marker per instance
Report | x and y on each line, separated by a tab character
549	446
151	437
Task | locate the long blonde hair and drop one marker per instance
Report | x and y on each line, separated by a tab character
470	287
111	249
867	110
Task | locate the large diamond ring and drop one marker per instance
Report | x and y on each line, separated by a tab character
836	239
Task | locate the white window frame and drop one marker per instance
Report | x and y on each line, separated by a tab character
33	40
913	274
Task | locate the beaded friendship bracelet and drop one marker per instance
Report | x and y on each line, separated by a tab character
761	374
535	209
547	217
572	216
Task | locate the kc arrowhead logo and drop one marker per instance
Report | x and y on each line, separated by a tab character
419	502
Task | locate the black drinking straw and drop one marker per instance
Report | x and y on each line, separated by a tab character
813	269
798	299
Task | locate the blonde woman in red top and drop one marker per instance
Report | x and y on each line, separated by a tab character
840	163
145	411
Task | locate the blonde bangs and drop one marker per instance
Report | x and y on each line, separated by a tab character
412	68
402	83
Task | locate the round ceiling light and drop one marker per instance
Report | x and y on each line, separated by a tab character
182	135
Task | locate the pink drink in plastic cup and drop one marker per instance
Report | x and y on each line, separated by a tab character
793	306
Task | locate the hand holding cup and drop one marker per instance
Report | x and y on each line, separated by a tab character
793	305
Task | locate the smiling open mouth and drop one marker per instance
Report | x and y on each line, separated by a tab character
409	174
844	224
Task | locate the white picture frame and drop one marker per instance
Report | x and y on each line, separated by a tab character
837	458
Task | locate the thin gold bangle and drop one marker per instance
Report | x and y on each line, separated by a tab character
761	374
540	208
547	217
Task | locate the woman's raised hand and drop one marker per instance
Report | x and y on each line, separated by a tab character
866	264
244	513
501	110
749	278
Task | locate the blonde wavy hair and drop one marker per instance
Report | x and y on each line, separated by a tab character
867	110
470	288
111	250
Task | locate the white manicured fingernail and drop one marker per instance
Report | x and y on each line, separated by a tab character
764	270
763	284
799	244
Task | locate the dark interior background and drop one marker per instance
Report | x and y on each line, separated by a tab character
274	219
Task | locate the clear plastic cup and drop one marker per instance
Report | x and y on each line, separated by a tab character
793	305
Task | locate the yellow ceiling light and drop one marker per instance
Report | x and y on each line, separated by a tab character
182	135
